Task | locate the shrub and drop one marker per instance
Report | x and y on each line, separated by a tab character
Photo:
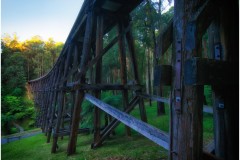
13	130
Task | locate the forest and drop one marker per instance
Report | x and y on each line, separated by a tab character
23	61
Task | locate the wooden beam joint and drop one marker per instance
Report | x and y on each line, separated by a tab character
199	71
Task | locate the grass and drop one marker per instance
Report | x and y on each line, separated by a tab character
117	147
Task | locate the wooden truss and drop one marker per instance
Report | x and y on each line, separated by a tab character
84	50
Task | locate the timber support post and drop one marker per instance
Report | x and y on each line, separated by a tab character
187	101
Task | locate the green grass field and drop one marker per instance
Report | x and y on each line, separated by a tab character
117	147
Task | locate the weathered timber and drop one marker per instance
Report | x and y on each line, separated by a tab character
155	98
131	47
130	42
209	147
208	109
162	75
207	71
80	94
66	132
95	59
204	16
187	101
98	78
123	69
218	113
79	86
58	123
75	123
165	39
114	123
152	133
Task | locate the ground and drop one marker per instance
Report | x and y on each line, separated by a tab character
118	147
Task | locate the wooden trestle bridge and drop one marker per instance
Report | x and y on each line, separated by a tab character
187	75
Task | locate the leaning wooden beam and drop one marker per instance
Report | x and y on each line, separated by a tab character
131	47
165	39
204	16
114	123
159	137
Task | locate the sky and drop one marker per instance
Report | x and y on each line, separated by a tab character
46	18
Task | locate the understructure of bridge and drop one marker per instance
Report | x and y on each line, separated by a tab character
187	75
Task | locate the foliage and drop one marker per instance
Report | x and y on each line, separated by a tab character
22	61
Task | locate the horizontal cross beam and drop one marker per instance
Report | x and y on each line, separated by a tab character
155	98
199	71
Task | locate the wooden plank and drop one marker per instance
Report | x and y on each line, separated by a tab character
209	147
67	132
159	137
208	109
114	123
155	98
78	86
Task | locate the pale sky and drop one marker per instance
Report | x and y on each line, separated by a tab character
46	18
